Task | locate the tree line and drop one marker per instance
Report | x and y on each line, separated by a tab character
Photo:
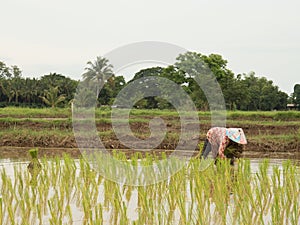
241	91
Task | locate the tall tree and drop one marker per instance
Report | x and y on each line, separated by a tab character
99	71
296	95
15	70
153	71
260	94
6	90
66	86
145	85
30	91
17	87
52	98
4	71
111	89
204	70
282	100
149	83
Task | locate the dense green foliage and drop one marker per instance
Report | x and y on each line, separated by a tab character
50	90
241	92
296	95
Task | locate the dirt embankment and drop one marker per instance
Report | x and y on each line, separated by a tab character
57	133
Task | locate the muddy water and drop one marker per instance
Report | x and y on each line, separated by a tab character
10	156
275	159
21	153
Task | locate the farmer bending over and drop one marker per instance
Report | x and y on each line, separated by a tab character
220	138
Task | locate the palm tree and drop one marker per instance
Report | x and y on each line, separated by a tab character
84	98
52	98
7	90
17	88
98	71
30	91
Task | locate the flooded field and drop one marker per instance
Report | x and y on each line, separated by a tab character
68	191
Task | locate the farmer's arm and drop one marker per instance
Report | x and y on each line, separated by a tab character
222	147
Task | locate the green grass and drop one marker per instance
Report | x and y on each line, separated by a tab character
106	112
263	122
264	115
277	138
27	133
12	121
107	133
34	112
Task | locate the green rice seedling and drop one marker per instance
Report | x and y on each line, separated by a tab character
204	184
221	191
68	213
11	213
142	204
33	153
1	211
182	209
295	218
290	183
67	189
39	210
54	212
86	205
263	187
277	212
242	193
98	215
123	218
108	197
171	200
55	170
34	166
119	207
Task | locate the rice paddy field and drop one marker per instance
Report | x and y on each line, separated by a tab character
66	189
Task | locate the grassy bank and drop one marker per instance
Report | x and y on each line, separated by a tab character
265	131
106	112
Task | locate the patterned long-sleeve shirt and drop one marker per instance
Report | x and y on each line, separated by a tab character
218	139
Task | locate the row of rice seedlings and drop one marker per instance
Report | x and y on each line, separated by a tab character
67	190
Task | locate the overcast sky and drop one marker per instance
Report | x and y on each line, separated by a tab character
62	35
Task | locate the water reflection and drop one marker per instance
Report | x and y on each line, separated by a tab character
8	163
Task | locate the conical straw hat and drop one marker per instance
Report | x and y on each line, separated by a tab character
237	135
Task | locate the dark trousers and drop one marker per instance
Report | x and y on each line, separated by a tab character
206	149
